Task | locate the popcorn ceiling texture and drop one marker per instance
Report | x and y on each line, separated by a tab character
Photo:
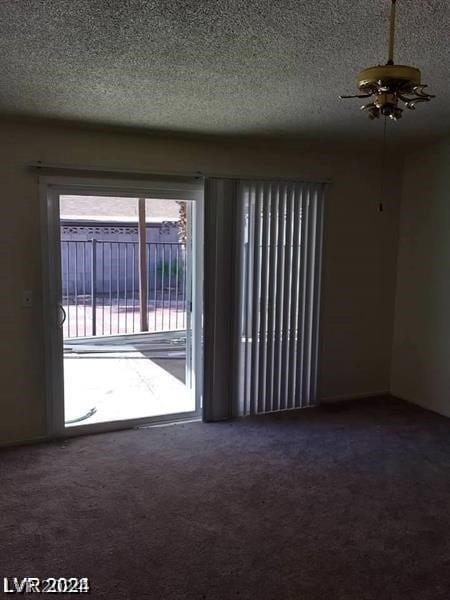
217	67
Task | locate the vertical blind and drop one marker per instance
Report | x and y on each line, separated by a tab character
279	244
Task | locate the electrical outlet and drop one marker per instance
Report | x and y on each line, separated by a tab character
27	298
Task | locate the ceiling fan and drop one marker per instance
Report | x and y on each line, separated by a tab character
391	87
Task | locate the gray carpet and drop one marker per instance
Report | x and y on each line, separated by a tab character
350	501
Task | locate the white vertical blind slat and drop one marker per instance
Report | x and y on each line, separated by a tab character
295	297
248	305
262	397
272	269
287	299
279	294
256	295
240	324
298	398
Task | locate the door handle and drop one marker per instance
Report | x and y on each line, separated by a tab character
63	316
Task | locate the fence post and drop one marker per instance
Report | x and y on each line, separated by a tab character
94	286
143	272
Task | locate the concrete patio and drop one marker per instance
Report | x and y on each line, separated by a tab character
124	378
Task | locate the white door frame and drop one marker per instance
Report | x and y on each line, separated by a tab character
50	188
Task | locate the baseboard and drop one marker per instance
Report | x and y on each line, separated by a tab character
421	405
25	442
330	399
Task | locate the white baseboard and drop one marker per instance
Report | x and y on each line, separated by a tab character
329	399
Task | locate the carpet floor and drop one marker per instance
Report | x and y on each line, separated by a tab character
350	501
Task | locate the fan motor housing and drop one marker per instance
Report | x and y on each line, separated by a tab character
401	77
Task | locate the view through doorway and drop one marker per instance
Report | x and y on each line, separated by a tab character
126	302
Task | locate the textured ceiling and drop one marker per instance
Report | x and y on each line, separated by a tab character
218	67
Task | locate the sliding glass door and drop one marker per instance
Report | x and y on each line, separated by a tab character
124	304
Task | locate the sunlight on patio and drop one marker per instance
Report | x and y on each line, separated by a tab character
123	385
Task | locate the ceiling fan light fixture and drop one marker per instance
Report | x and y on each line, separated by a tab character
390	87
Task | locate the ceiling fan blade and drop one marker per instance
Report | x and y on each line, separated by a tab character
419	90
356	96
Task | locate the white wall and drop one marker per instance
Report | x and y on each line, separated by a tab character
421	347
360	251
